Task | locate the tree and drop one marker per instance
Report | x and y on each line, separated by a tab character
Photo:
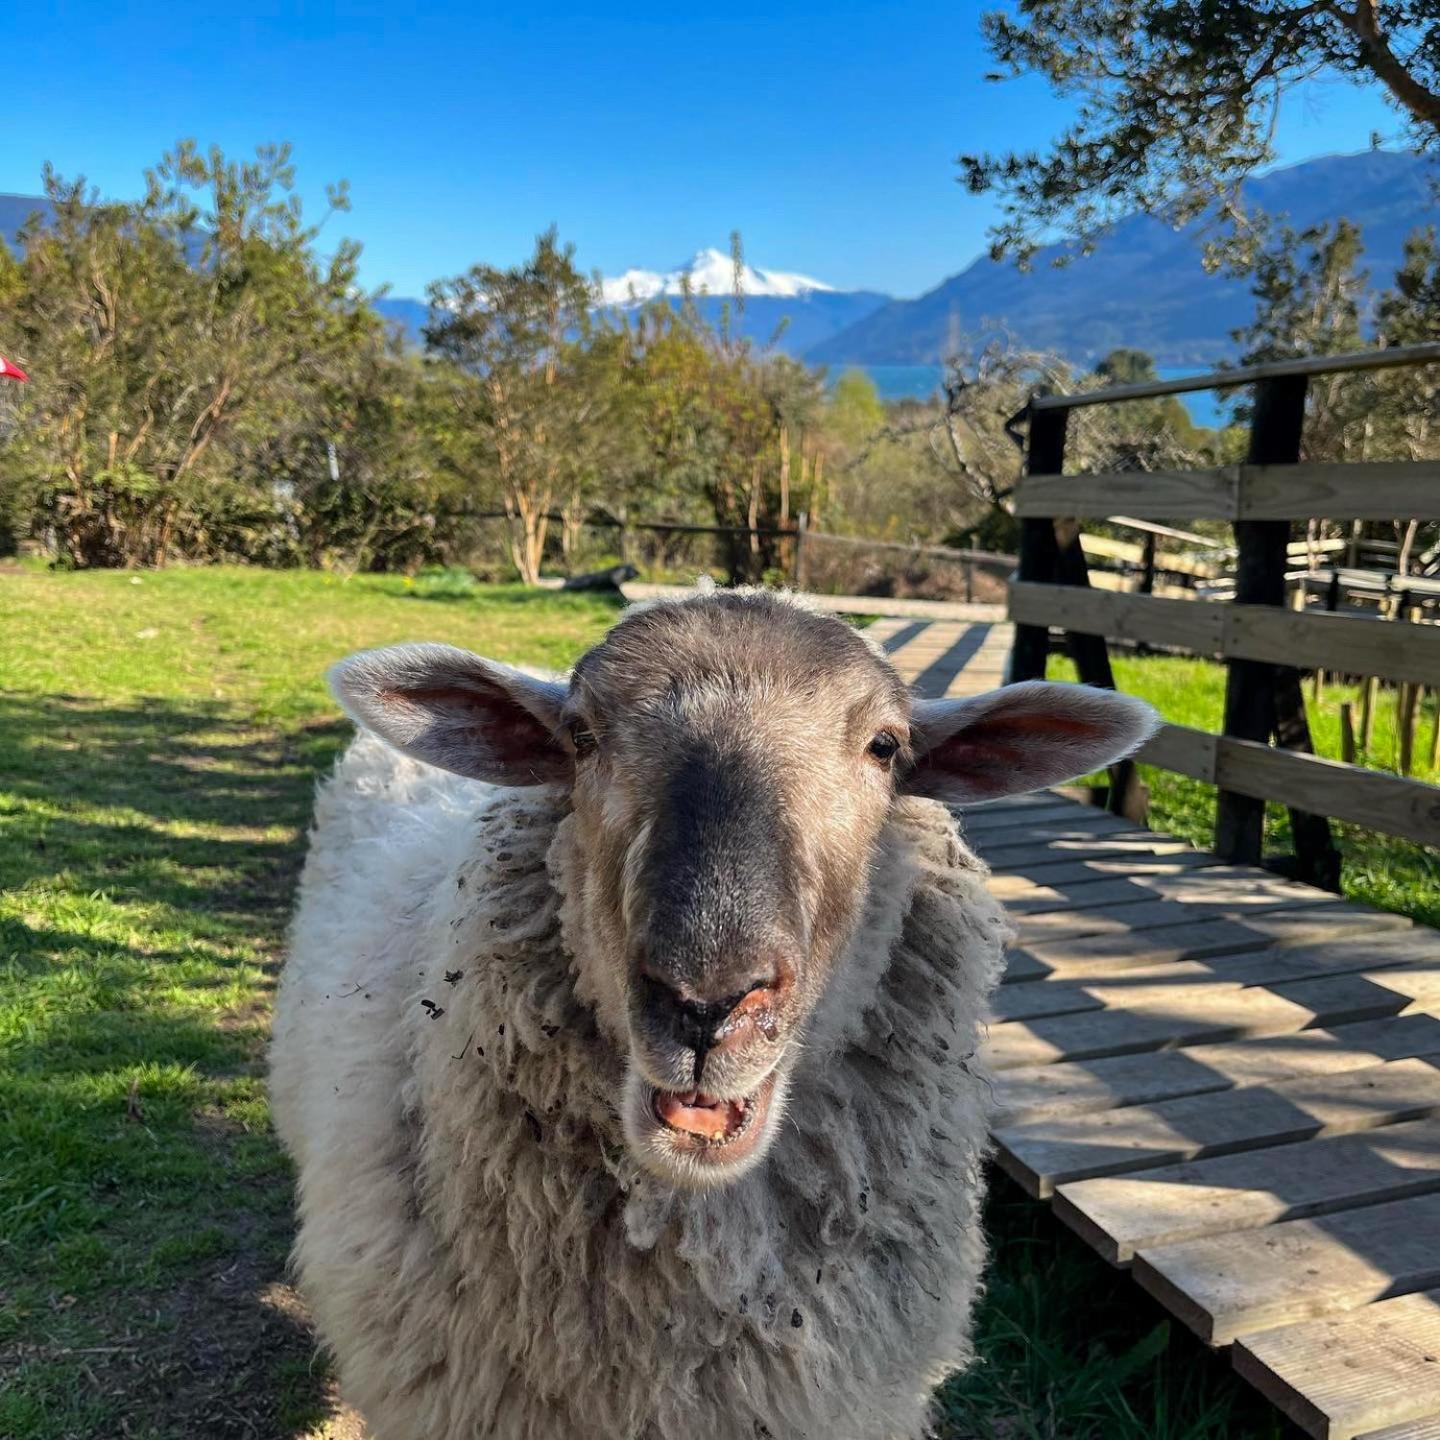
518	336
1177	99
1309	291
166	337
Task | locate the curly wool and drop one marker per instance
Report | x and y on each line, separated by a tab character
481	1254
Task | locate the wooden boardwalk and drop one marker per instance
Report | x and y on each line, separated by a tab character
1225	1082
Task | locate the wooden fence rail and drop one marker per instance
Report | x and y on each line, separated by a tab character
1264	644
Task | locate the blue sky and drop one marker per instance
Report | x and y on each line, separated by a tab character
826	134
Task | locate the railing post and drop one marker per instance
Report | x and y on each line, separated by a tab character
1039	558
1050	553
1262	698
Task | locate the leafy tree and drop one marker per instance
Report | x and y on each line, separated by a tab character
1309	291
164	337
517	335
1176	99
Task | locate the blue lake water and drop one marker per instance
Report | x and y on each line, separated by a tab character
921	382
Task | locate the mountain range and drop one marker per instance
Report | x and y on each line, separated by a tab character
1145	286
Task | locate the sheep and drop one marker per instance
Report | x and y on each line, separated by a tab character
627	1048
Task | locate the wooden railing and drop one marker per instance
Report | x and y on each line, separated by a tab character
1264	644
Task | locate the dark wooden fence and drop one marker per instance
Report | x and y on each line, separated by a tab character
1264	644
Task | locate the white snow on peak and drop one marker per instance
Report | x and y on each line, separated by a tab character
711	272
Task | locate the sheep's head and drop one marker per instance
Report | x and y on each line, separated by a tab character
732	761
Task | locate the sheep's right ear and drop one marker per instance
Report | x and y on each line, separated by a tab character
459	711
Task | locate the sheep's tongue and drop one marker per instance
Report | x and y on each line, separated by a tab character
699	1114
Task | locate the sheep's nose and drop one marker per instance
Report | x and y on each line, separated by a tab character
697	1017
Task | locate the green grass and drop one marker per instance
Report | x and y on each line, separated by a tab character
160	735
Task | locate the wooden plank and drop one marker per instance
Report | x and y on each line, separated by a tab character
1092	954
1043	1154
1182	749
1015	880
1369	490
1120	1214
1344	1375
1202	1013
1231	1285
1153	984
1382	359
1092	825
1154	914
1309	639
1336	1374
1035	899
1195	625
1159	495
1365	490
1320	639
1428	1429
1087	1086
1058	812
1407	808
1111	845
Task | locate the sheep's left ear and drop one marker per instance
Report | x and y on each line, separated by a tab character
1023	737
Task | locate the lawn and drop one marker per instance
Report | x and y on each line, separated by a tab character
160	735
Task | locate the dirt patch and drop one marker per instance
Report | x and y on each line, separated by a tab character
228	1354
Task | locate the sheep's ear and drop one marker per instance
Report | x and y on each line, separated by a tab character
458	711
1023	737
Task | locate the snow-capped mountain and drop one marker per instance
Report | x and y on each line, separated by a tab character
709	272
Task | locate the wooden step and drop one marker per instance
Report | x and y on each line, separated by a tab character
1043	1154
1198	941
1346	1375
1087	1086
1150	984
1226	1286
1213	1012
1119	1214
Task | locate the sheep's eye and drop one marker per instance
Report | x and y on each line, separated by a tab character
582	739
884	746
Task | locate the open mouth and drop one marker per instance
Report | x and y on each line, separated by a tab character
713	1129
703	1117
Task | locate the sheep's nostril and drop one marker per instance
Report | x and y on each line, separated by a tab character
693	1022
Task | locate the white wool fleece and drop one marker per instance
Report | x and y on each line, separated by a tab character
481	1254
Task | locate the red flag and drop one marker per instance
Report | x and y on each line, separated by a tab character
9	370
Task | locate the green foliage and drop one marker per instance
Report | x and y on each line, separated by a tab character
1175	101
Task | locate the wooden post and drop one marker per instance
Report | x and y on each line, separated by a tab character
1367	711
1407	709
1261	698
1347	732
800	528
1259	580
1405	727
1039	555
1147	575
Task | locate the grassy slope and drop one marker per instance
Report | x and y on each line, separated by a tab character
159	739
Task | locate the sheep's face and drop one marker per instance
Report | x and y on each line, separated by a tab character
732	760
735	761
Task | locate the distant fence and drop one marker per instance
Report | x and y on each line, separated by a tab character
1263	643
797	554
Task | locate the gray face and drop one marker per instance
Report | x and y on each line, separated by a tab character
734	764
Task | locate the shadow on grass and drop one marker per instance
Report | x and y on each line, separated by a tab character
150	855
